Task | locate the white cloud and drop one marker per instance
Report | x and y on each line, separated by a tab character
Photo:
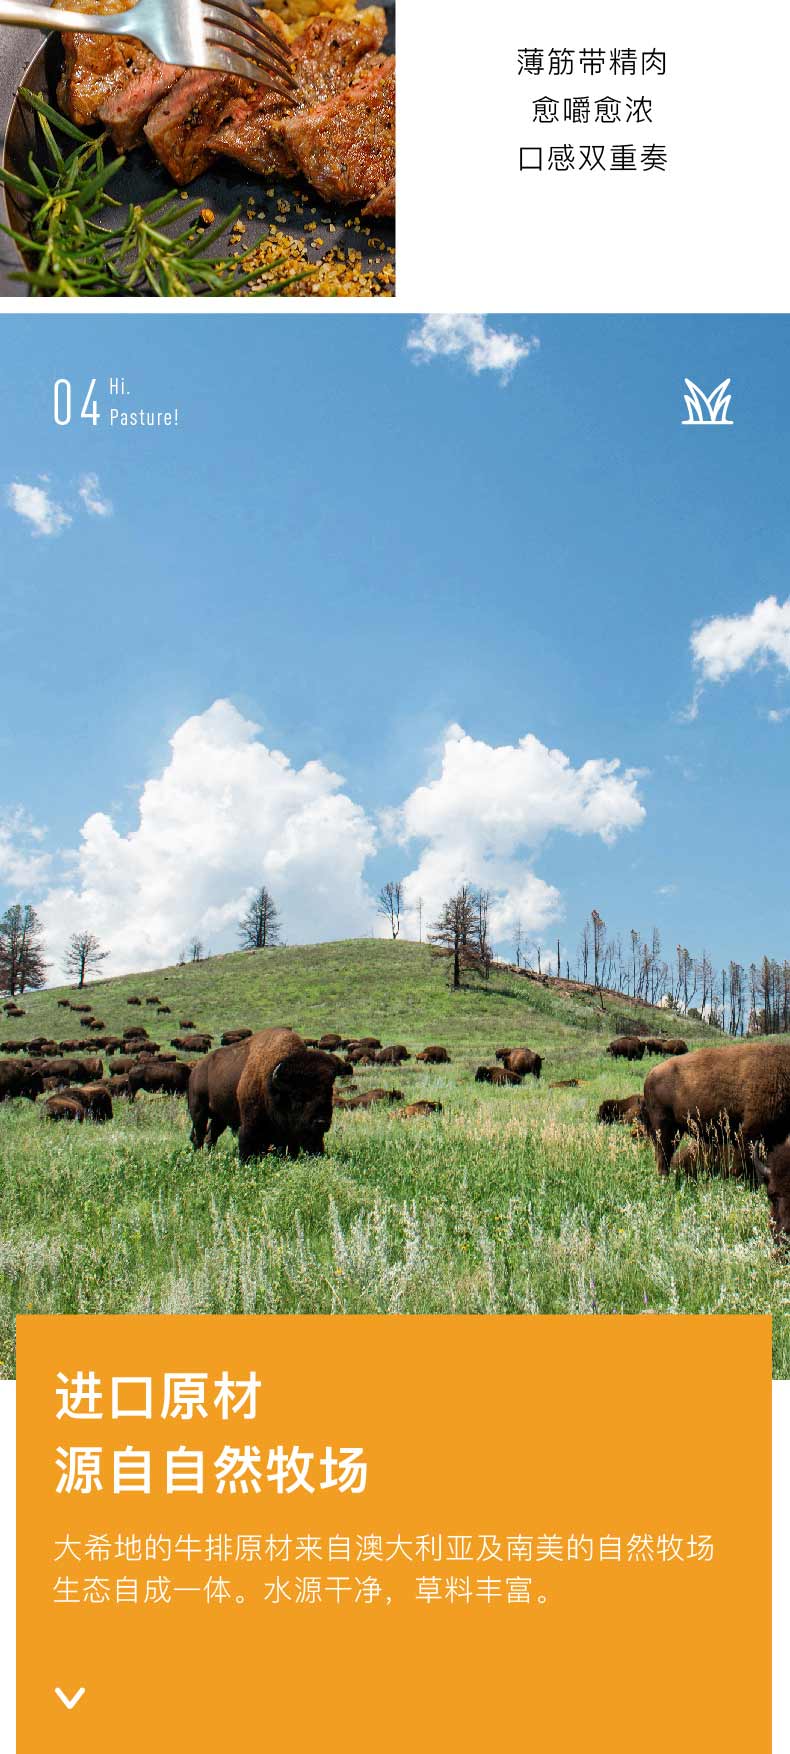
777	715
473	340
488	812
225	815
22	865
36	505
90	494
727	643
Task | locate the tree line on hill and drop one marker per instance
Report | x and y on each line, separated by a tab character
736	998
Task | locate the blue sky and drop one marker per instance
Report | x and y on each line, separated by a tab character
356	550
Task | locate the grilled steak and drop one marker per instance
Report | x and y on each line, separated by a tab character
382	205
180	127
125	111
97	67
325	58
346	146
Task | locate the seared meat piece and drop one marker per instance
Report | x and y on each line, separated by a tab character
325	57
125	111
382	205
346	146
180	127
97	67
328	52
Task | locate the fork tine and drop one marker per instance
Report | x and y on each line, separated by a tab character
247	13
226	60
236	40
225	20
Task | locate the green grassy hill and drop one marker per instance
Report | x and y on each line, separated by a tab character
511	1200
397	991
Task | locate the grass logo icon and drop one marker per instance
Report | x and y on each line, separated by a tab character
709	410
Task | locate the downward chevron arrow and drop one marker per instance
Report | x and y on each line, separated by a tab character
64	1698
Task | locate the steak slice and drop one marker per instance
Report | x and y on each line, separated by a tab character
346	146
382	206
325	58
125	111
96	67
181	125
328	52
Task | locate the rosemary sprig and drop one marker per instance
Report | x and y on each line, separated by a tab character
71	255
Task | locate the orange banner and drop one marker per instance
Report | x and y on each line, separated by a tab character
394	1533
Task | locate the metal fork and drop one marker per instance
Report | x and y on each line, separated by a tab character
225	35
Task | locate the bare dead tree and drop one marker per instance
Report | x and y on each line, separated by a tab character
389	905
84	955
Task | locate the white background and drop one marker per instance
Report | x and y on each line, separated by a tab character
476	234
781	1551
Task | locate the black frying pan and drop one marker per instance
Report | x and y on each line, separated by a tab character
222	187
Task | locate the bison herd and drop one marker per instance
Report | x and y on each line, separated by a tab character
725	1110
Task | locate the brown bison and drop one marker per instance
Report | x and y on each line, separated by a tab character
434	1056
362	1044
164	1011
654	1044
564	1084
118	1085
231	1036
368	1098
64	1108
17	1080
413	1110
496	1075
72	1071
134	1001
620	1110
192	1044
524	1061
674	1046
392	1056
185	1023
774	1175
626	1047
172	1078
94	1098
271	1089
63	1004
136	1033
745	1089
330	1042
153	1001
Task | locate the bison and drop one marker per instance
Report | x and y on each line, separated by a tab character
192	1044
72	1071
392	1056
654	1044
330	1042
674	1046
232	1036
118	1085
134	1001
434	1056
172	1078
17	1080
271	1089
95	1099
64	1108
368	1098
185	1023
413	1110
496	1075
525	1062
745	1088
626	1047
620	1110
